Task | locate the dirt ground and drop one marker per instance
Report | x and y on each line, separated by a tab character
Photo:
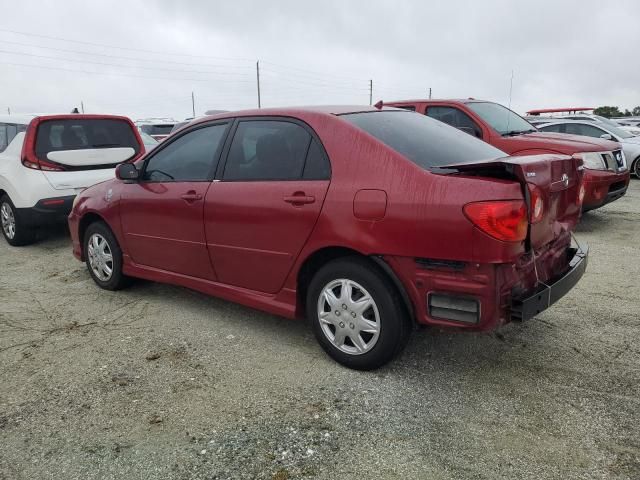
159	382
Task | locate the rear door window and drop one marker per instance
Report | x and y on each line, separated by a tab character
80	134
456	118
585	130
269	150
554	127
8	131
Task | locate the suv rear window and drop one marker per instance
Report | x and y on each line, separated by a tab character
423	140
164	129
71	134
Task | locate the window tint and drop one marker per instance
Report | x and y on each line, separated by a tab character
71	134
267	150
423	140
456	118
190	157
585	130
8	131
317	165
554	127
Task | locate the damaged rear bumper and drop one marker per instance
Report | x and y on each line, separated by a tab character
527	307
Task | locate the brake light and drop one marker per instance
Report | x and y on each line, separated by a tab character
504	220
537	204
29	158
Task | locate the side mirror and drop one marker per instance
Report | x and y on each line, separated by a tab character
606	136
127	172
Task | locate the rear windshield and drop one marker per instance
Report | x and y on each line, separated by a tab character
164	129
82	134
423	140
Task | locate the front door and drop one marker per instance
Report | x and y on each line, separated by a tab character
259	216
162	214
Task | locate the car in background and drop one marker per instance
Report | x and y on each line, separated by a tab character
158	128
508	131
149	142
630	143
551	114
45	161
366	221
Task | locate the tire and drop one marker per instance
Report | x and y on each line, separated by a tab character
104	257
14	228
635	167
369	336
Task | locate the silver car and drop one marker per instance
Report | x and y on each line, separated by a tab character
630	144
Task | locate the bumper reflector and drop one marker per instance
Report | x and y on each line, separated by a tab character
453	307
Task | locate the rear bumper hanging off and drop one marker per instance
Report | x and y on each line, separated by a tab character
525	308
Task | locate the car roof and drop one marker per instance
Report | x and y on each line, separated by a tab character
437	100
332	110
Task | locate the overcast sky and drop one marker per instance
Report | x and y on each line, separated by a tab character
145	58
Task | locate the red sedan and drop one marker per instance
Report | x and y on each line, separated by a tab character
365	221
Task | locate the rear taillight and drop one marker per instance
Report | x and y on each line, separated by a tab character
29	158
537	204
505	220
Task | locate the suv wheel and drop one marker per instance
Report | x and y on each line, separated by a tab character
636	167
13	227
104	257
356	314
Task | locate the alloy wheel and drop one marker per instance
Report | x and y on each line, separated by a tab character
349	316
8	220
100	257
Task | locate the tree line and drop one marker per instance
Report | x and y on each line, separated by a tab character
616	112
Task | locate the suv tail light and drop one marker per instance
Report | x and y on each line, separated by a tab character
30	159
537	204
504	220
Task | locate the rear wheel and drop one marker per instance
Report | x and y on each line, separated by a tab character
357	314
104	257
14	228
636	167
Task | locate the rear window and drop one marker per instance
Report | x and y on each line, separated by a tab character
83	134
164	129
423	140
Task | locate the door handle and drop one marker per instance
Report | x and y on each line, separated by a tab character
298	199
191	197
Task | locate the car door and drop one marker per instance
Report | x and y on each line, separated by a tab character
162	214
261	212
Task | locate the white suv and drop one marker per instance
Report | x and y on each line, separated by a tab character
46	160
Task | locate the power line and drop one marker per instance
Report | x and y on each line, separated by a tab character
123	74
48	37
116	64
137	59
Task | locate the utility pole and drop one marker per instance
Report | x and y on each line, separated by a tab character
9	110
82	106
429	93
258	81
370	92
193	105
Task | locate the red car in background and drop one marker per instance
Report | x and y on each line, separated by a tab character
365	221
606	176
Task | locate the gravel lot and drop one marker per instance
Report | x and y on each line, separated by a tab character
159	382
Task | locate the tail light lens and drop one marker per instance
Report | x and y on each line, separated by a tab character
537	204
29	158
504	220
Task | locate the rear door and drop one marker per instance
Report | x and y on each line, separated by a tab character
259	216
161	215
77	152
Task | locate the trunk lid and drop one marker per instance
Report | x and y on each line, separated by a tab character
557	179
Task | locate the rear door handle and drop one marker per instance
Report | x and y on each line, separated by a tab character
299	199
190	197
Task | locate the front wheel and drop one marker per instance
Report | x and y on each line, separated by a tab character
104	257
14	228
356	313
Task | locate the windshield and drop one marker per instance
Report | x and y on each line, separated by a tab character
423	140
503	120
